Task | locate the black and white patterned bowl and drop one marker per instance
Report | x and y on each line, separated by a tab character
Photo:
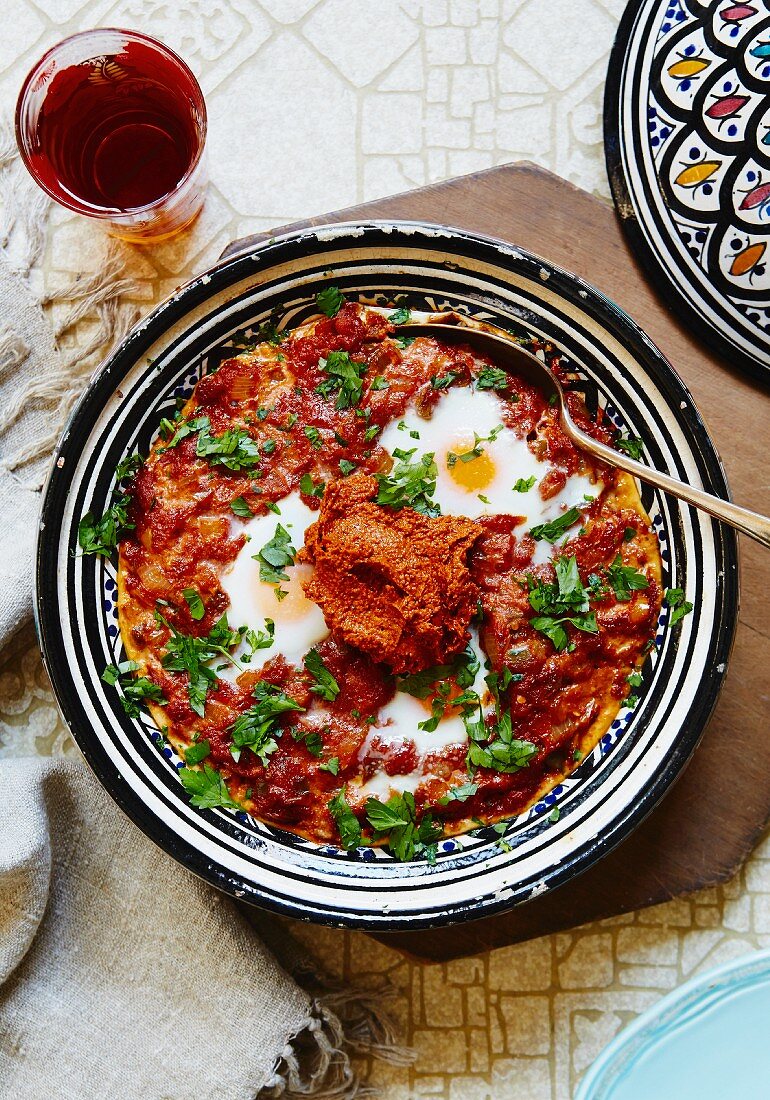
612	789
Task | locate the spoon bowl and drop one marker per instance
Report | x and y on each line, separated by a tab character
515	359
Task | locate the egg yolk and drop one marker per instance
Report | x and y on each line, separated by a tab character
295	604
473	473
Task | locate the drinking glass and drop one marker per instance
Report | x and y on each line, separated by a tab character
112	124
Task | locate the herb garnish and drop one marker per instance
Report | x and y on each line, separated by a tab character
625	579
274	556
187	653
207	788
400	316
345	378
330	300
680	607
325	685
240	507
235	449
631	445
346	466
395	822
332	765
555	528
135	690
347	823
459	794
256	729
314	436
194	602
523	485
101	536
311	488
560	602
410	484
493	378
198	751
476	451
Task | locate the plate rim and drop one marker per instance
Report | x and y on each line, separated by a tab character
755	962
569	286
664	283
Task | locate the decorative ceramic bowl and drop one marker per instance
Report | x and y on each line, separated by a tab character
612	789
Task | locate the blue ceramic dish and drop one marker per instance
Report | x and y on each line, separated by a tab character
707	1040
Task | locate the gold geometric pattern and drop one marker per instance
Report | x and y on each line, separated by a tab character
319	104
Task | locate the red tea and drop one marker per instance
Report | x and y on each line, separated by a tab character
116	132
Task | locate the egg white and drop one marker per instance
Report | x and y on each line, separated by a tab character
456	417
299	623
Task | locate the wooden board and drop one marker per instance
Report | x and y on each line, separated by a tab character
709	821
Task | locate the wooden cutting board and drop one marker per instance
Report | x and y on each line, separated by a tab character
710	820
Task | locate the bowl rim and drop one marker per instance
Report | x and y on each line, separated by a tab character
125	355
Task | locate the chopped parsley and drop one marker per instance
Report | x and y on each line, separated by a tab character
346	467
274	556
330	300
476	451
555	528
403	342
345	378
311	488
101	536
259	639
459	794
410	484
194	602
400	316
444	381
207	788
135	690
314	436
240	507
324	683
256	729
184	428
559	602
234	449
523	485
631	445
348	824
198	751
493	378
189	654
372	432
395	822
332	765
311	739
554	815
680	607
625	579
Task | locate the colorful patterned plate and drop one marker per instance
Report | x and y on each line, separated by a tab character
687	138
615	365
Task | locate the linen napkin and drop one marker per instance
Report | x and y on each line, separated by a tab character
121	974
124	975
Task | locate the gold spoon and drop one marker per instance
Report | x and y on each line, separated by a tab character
512	357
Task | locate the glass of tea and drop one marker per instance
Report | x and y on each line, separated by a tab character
112	124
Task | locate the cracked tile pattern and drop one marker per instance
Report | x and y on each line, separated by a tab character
318	104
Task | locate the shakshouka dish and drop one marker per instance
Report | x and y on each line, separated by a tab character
369	591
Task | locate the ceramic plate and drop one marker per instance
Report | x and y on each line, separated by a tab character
687	139
706	1040
434	268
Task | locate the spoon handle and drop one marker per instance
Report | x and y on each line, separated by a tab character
753	524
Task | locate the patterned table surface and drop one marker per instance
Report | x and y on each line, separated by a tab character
404	93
